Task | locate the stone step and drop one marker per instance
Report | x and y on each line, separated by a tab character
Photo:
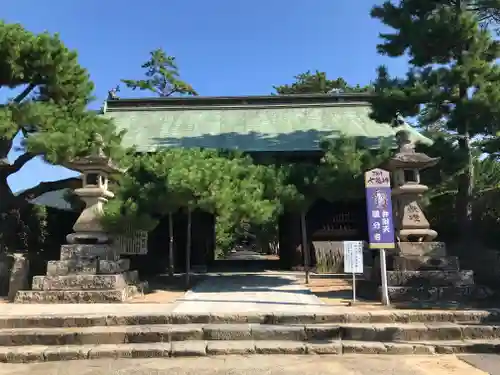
425	263
437	293
79	296
59	319
86	267
244	332
85	282
27	354
430	278
418	332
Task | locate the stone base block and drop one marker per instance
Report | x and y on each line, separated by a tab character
111	267
86	267
429	249
85	282
439	293
72	267
77	251
425	263
430	278
79	296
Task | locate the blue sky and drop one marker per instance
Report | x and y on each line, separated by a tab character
223	47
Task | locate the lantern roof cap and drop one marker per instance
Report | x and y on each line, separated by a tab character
96	160
407	157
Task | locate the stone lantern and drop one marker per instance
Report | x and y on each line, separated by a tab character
421	270
96	170
411	225
90	269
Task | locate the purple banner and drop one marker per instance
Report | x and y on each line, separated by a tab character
379	209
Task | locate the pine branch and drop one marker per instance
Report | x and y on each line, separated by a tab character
19	163
45	187
25	93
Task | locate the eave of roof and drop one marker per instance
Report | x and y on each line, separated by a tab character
232	102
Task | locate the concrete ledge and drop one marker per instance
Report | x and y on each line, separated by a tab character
86	318
26	354
157	333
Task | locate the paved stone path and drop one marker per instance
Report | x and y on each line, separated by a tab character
489	363
246	255
255	365
245	293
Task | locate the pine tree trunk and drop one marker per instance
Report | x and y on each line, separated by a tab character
8	202
466	179
188	249
465	196
171	245
305	247
7	197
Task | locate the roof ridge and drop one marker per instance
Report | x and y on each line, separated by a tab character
243	101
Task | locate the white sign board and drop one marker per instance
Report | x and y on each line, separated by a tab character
353	256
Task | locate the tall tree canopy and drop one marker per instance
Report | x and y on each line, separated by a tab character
488	11
162	76
50	92
453	78
317	83
232	187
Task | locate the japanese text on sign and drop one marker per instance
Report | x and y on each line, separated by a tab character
381	223
353	256
379	209
377	178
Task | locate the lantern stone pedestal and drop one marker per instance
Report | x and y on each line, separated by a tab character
419	270
85	273
424	272
90	269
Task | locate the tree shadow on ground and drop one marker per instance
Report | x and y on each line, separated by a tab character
177	283
308	140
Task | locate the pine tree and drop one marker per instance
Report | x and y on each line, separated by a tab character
231	187
50	92
317	83
453	76
162	77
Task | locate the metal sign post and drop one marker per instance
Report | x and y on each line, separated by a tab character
353	262
380	223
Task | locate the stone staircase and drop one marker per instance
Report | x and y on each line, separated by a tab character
57	337
84	274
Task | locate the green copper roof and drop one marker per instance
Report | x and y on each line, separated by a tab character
247	124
